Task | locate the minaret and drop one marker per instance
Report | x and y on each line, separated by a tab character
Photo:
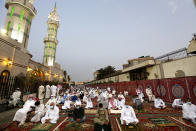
18	20
50	40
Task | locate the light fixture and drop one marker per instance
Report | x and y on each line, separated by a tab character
29	69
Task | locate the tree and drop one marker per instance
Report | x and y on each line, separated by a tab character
104	72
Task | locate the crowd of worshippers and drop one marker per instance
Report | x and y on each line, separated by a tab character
78	99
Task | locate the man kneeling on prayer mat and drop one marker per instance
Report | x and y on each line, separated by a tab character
177	103
52	114
137	103
39	112
159	103
78	113
128	115
189	111
101	120
21	114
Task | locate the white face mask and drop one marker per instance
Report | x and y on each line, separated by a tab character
51	107
30	99
189	103
77	107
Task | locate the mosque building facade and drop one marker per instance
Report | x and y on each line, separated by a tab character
15	59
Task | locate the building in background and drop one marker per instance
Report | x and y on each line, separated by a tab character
179	63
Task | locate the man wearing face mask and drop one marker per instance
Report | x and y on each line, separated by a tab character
52	114
21	114
38	113
78	113
52	99
189	111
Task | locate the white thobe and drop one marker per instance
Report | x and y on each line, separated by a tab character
189	112
120	104
41	93
158	103
85	99
89	103
48	94
66	104
150	95
52	114
128	115
113	92
16	96
177	103
21	114
78	102
53	89
39	113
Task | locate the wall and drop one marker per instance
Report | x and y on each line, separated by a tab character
188	65
20	57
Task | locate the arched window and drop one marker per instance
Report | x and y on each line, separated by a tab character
5	73
4	76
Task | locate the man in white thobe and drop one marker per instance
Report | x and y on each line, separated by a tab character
140	95
177	103
66	103
189	111
89	103
53	90
21	114
15	97
48	93
128	115
41	94
120	103
52	114
150	95
39	112
52	99
159	103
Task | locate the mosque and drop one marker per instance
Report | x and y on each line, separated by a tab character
15	59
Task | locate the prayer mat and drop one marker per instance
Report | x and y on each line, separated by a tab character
148	124
29	126
68	125
183	122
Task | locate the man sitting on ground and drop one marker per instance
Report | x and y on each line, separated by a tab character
102	120
15	97
138	103
78	113
159	103
177	103
67	103
128	115
189	111
39	112
52	114
21	114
